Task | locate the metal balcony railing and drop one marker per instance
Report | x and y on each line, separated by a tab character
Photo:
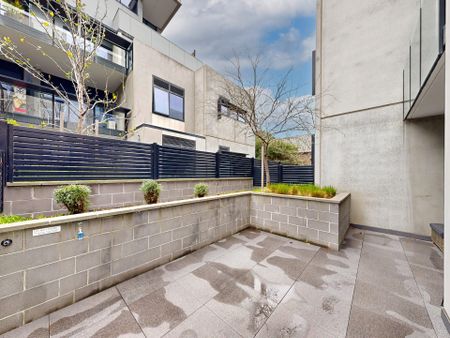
110	51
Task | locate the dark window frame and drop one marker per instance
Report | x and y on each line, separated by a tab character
171	89
232	111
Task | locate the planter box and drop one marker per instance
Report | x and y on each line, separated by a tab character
316	220
36	198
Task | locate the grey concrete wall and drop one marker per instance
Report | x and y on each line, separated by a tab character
314	220
41	274
35	200
392	168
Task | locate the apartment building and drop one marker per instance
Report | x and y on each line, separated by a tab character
169	96
382	89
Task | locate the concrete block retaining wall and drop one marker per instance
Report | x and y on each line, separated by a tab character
316	220
34	198
40	274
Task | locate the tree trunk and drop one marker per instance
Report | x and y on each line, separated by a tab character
265	160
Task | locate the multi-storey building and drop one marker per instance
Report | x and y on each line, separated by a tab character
382	91
169	96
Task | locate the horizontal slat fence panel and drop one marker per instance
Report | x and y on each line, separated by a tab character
44	155
231	165
298	174
41	155
185	163
273	170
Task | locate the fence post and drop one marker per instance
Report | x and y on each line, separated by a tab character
218	164
313	156
280	173
155	161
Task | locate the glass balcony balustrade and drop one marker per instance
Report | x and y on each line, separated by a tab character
425	47
107	51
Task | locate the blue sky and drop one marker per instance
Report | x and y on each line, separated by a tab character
282	31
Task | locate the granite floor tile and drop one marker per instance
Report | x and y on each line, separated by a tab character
392	305
430	283
243	307
162	310
36	329
423	253
203	324
325	307
102	315
288	321
368	324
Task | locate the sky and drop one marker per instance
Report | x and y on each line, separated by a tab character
281	31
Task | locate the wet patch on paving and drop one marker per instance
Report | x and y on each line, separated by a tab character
256	284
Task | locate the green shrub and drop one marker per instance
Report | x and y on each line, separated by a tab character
201	190
309	190
330	191
151	190
74	197
12	219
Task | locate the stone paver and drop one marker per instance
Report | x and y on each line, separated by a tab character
259	284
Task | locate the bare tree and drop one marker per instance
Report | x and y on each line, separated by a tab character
270	108
77	36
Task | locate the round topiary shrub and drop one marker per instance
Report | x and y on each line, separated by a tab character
74	197
201	190
151	190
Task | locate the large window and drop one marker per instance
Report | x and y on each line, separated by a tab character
131	4
168	99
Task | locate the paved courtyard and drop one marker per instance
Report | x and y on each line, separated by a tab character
259	284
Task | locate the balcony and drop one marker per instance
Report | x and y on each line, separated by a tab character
423	72
39	106
160	12
113	57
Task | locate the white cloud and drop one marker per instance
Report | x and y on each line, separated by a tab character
217	28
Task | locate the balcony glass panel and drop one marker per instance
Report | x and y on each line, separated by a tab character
109	51
406	91
415	64
430	35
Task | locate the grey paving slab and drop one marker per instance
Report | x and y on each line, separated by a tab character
36	329
102	315
203	324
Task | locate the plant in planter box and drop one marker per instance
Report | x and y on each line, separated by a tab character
201	190
151	190
74	197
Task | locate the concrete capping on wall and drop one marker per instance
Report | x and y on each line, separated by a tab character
36	198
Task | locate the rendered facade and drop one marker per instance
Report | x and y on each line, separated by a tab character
382	93
169	96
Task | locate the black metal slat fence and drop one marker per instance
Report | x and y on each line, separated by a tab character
2	178
43	155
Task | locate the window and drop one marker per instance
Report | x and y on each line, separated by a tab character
225	108
178	142
130	4
168	99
